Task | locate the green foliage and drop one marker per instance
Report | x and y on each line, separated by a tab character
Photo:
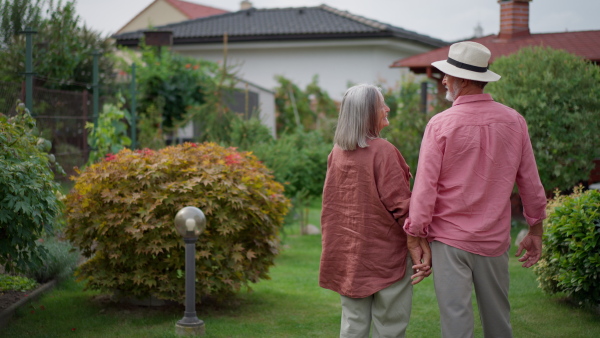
28	193
570	260
408	122
121	211
298	160
150	132
62	47
559	95
19	283
174	90
16	15
59	264
213	122
311	109
110	134
178	81
246	134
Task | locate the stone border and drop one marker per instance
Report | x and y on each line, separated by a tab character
7	314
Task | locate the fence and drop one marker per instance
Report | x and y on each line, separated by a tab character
61	117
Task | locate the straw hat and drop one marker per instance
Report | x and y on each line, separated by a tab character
468	60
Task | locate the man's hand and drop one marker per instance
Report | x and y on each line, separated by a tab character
419	251
532	243
533	246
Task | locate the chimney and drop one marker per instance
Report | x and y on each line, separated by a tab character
514	19
245	5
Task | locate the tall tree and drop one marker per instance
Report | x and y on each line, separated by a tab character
16	15
63	46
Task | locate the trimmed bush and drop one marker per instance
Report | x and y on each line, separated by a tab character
121	215
570	260
559	95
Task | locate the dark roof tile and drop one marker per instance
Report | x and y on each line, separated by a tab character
265	24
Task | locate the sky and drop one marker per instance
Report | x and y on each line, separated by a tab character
448	20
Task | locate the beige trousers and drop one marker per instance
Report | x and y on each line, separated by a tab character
455	272
387	310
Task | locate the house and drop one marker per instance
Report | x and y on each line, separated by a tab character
514	34
162	12
298	43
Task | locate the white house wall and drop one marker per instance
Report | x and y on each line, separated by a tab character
157	14
336	62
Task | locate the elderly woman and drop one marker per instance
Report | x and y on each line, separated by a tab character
365	202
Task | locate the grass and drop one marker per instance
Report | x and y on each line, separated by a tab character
291	304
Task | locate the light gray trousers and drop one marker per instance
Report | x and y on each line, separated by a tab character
388	310
455	272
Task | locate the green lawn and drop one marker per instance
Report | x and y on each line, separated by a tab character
291	304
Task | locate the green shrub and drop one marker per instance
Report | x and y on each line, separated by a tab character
150	133
121	215
109	135
29	205
407	120
177	81
559	95
18	283
298	160
309	109
60	262
246	134
570	260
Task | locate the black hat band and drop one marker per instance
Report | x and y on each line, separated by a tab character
467	66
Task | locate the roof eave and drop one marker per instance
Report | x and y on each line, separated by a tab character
255	38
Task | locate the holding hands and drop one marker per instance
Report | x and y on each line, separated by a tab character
419	251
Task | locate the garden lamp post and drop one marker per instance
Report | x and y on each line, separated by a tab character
189	223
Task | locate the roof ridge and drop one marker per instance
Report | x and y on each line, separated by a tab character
361	19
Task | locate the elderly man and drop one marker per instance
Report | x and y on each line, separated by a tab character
471	156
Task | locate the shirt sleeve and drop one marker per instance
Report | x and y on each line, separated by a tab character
528	181
425	189
392	179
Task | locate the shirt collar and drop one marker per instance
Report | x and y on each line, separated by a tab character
472	98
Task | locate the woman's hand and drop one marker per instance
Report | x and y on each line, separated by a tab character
420	253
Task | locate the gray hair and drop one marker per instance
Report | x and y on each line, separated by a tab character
357	121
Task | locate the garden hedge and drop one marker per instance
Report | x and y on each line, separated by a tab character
570	260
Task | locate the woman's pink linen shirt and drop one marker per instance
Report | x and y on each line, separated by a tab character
471	156
365	201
